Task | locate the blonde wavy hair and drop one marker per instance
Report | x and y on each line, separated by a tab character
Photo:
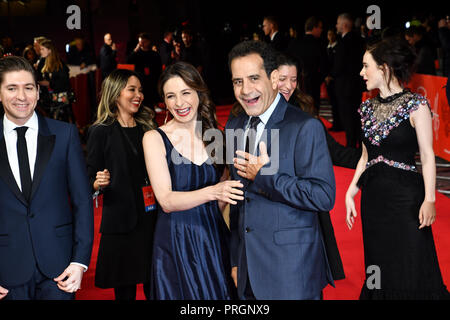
108	111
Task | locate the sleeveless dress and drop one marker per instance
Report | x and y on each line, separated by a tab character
392	192
190	250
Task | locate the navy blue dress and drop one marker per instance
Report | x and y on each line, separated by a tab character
190	250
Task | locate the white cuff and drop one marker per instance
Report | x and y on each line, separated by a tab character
81	265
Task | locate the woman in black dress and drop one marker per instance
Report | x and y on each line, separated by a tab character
116	168
397	203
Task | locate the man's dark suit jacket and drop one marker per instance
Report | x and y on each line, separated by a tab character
148	66
347	63
57	226
279	42
165	51
313	63
107	60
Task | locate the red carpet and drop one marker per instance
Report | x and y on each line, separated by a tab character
349	242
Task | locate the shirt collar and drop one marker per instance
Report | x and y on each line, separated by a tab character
273	35
332	45
32	123
266	115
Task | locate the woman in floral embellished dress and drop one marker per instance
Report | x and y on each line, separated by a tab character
397	202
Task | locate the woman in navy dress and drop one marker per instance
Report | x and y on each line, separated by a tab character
190	251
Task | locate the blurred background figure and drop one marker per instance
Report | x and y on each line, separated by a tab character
37	49
166	48
80	54
30	54
56	93
107	56
313	59
345	72
444	39
425	52
148	66
176	52
8	46
191	50
329	81
273	35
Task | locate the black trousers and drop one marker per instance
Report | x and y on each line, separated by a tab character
349	100
128	293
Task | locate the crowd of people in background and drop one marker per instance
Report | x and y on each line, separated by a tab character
331	57
186	256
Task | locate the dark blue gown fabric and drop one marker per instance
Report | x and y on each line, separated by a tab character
190	253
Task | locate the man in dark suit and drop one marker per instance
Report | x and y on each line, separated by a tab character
312	57
107	56
46	212
277	248
148	66
166	48
80	54
331	51
348	84
273	36
426	52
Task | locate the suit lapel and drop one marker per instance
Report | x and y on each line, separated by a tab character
276	117
45	145
5	169
240	125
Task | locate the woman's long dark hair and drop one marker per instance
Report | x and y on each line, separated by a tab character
206	113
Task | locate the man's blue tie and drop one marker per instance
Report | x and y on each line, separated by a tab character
251	134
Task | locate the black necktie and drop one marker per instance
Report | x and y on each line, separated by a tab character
251	134
24	164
